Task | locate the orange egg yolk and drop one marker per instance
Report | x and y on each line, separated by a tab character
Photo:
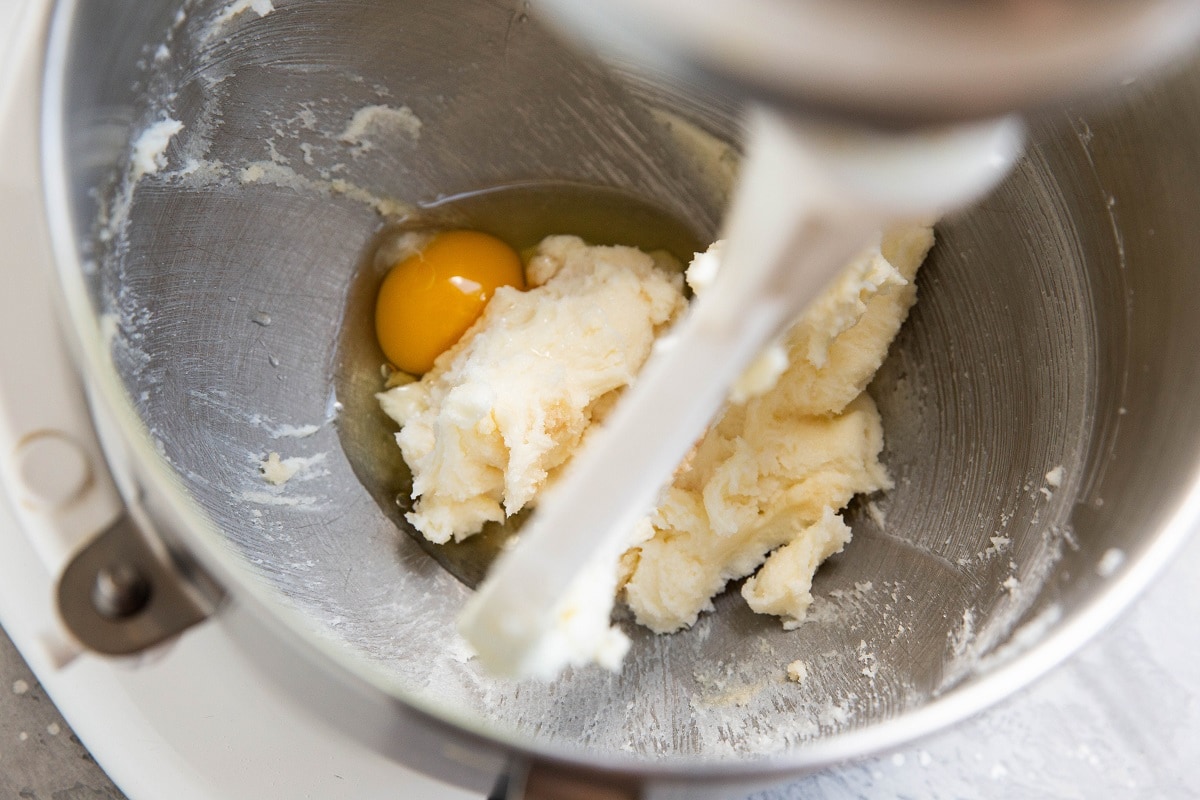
430	298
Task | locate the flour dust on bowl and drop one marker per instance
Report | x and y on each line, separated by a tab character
217	174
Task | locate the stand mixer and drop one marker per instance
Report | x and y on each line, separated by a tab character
185	399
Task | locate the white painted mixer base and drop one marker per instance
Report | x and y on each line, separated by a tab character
198	722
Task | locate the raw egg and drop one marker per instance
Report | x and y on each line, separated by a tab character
430	297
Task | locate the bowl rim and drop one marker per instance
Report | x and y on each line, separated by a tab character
341	677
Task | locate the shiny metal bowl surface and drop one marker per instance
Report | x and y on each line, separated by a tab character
1056	328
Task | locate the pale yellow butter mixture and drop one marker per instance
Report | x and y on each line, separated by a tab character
502	412
503	409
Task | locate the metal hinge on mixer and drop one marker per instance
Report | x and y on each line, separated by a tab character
122	594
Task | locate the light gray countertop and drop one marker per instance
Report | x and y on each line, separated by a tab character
40	758
1119	720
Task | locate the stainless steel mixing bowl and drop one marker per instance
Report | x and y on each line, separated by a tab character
1039	406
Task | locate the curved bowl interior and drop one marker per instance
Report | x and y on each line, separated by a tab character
1056	328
